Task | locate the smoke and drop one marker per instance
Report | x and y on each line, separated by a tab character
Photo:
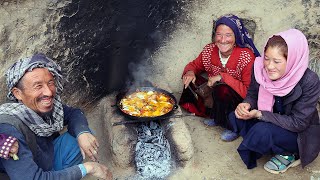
140	73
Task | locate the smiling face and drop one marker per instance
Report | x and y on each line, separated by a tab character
274	62
36	90
225	39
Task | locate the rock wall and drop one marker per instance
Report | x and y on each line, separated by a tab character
26	27
102	45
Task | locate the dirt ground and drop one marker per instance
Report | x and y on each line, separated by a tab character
213	159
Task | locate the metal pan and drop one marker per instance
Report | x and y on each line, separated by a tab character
121	95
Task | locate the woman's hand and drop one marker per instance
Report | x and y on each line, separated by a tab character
188	77
242	112
213	80
14	151
14	148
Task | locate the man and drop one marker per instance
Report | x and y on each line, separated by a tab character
35	117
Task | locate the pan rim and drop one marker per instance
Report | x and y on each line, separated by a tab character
147	88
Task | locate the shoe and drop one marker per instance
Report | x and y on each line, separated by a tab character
228	135
210	122
280	164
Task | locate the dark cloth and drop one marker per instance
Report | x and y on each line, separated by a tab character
225	100
189	102
278	105
242	36
300	113
40	164
262	138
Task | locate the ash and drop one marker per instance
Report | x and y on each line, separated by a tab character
153	155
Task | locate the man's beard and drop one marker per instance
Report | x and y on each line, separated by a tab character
46	115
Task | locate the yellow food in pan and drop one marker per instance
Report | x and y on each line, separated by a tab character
146	104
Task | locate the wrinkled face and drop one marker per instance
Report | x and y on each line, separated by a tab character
274	63
225	39
37	91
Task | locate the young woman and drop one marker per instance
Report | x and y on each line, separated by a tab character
228	61
279	114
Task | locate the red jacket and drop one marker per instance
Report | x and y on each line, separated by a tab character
236	74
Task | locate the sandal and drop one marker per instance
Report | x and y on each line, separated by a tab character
280	164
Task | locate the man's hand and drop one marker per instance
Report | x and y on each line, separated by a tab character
98	170
188	77
88	145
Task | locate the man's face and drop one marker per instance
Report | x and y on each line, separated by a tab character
37	91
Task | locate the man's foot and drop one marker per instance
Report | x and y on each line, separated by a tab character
228	135
209	122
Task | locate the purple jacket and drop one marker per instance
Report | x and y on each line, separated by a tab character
300	115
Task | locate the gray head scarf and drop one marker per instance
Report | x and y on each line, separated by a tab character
41	126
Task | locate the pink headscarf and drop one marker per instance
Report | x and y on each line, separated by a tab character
297	64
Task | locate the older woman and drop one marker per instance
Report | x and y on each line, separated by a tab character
227	61
279	114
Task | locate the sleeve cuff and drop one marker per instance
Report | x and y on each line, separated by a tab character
84	132
83	170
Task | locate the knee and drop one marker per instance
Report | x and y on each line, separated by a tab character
232	115
261	129
66	138
222	92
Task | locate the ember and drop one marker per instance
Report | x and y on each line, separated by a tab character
153	155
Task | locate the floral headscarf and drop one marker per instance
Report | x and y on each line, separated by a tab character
242	36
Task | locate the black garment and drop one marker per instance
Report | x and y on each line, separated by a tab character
225	100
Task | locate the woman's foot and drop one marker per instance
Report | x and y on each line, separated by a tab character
228	135
280	164
209	122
